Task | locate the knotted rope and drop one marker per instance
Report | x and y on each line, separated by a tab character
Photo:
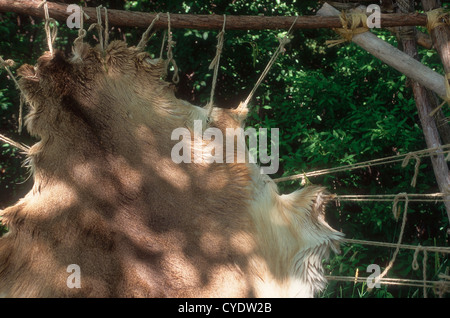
170	44
350	27
81	32
415	266
437	17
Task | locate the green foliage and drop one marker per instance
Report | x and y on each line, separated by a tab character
334	106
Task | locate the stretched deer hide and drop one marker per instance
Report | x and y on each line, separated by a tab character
109	200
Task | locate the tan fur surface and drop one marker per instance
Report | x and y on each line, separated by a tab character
108	197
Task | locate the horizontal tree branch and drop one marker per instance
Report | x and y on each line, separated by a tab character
123	18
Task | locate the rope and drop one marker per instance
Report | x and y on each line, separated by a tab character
365	164
398	245
441	287
446	98
162	45
437	17
350	27
50	32
81	32
7	64
106	27
99	27
285	40
402	229
431	249
416	167
415	266
215	65
416	197
15	144
170	44
391	281
146	35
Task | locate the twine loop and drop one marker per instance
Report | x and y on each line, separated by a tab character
81	31
170	59
416	167
50	31
99	28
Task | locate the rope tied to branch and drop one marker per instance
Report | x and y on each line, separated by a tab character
50	31
437	17
215	65
350	27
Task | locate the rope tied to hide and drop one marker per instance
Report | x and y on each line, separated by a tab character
215	65
146	35
170	59
50	31
283	42
15	144
350	27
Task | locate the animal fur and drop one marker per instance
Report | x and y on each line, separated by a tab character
108	197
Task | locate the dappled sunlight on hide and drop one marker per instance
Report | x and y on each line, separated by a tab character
109	197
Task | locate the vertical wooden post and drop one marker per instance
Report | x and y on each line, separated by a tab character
425	106
440	36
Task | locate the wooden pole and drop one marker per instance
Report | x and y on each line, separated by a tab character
395	58
400	60
57	11
440	36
